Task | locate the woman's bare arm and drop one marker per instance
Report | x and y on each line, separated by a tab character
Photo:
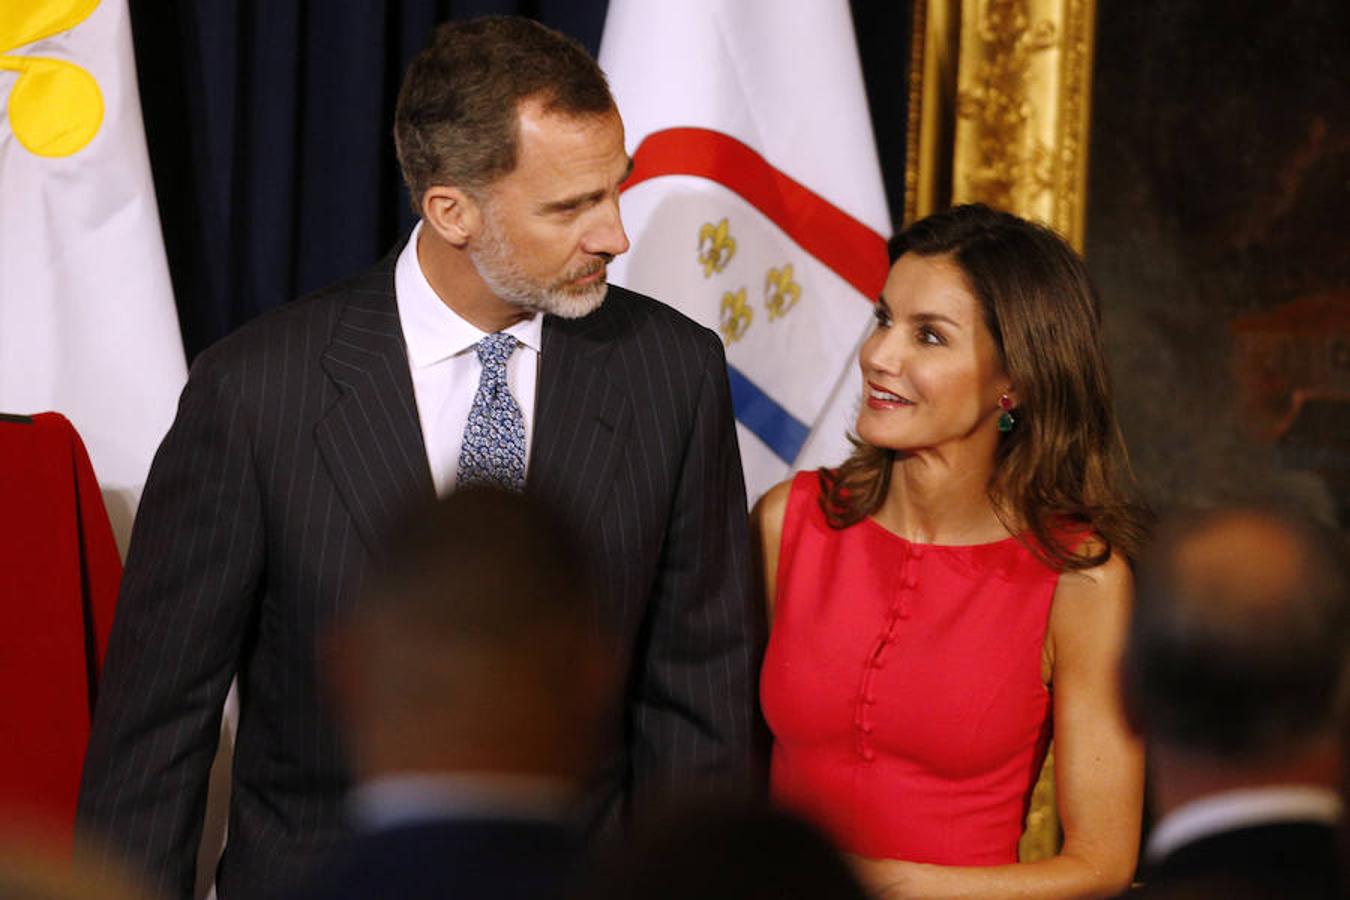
766	528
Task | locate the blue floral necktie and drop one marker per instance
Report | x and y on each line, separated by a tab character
494	436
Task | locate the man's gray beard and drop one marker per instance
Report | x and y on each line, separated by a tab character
495	260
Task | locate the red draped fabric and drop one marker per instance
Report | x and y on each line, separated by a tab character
59	573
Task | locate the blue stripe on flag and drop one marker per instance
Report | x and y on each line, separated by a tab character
772	424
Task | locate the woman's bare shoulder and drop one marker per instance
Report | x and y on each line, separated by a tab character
766	521
771	508
1103	581
1090	612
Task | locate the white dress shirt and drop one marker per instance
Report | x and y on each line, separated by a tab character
1231	810
445	368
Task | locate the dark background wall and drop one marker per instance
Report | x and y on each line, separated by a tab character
269	126
1218	209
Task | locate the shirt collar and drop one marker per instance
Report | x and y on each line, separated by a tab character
410	797
1238	809
431	329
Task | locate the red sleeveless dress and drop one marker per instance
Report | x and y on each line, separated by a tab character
902	683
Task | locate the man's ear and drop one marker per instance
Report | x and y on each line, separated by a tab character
452	213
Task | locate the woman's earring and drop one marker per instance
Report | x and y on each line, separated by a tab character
1006	421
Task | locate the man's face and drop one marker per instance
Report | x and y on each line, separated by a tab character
551	225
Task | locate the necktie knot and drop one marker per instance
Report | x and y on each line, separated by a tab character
495	349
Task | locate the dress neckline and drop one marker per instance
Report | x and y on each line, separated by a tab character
983	545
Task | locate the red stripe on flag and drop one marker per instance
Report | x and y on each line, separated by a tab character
855	252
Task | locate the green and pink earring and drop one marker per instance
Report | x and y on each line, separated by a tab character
1006	421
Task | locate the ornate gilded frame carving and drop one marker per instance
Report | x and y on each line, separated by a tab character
1000	97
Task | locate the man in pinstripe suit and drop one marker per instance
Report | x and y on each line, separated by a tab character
300	437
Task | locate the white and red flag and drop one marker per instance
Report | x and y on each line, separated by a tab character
87	320
756	204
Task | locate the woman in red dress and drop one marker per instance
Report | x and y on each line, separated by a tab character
957	592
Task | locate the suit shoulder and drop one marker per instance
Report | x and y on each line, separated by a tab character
307	320
643	313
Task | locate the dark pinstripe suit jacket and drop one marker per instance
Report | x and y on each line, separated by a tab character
297	441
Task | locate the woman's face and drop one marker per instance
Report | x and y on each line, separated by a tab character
931	371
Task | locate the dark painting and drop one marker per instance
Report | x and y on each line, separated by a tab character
1218	206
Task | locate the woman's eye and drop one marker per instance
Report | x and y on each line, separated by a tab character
882	315
927	335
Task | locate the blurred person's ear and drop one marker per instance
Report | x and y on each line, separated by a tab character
342	651
576	684
596	667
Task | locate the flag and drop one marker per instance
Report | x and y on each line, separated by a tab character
756	204
87	320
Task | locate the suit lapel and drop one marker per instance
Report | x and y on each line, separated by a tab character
581	417
371	439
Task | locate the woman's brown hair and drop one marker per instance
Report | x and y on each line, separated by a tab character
1063	468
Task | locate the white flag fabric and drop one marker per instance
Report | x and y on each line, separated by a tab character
756	204
88	326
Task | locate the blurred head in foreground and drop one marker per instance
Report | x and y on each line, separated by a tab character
477	649
1235	666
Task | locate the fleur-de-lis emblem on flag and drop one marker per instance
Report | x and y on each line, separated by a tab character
716	247
781	293
55	107
735	317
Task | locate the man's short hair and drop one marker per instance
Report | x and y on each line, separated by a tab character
482	566
456	119
1237	653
